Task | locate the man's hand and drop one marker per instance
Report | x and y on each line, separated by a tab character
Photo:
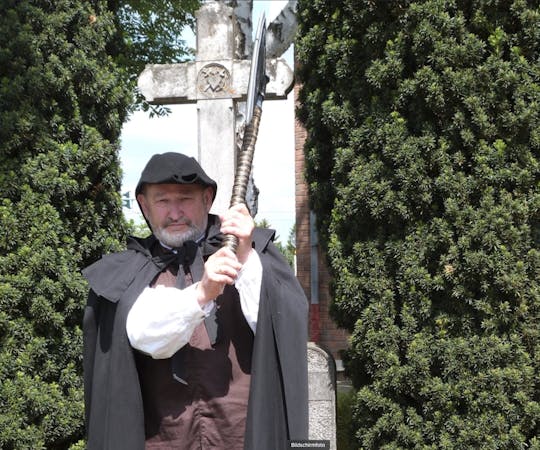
219	270
238	222
223	266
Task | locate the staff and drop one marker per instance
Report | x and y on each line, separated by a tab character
255	97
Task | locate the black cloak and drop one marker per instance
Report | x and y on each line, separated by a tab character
278	399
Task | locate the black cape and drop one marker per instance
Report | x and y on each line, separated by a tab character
278	399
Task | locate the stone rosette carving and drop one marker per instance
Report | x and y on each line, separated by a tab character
214	80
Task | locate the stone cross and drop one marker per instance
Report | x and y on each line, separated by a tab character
217	82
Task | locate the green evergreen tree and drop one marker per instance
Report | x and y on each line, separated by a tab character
61	109
65	90
150	33
423	166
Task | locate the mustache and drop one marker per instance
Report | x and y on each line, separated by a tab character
184	221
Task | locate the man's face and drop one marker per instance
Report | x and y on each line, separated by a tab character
177	212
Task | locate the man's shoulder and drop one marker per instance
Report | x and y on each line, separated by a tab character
115	259
115	271
262	237
135	248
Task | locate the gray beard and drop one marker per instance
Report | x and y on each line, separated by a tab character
176	240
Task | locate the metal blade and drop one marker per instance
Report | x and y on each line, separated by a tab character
257	74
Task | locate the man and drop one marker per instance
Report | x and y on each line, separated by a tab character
186	344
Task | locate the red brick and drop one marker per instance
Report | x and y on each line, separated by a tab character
328	335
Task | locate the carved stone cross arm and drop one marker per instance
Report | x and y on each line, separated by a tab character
199	80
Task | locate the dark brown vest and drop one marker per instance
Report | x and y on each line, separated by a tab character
209	412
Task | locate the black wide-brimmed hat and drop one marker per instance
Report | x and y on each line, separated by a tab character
174	168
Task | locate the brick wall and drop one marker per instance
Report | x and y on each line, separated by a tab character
322	331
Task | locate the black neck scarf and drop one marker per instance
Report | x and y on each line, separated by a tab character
185	255
179	257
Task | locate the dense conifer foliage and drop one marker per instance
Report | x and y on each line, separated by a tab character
423	162
61	110
65	90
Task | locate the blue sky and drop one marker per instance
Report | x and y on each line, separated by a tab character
273	167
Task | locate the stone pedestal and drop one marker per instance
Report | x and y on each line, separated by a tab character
322	395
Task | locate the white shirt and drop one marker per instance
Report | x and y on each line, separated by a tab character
162	319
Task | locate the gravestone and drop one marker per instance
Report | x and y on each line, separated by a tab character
217	82
321	395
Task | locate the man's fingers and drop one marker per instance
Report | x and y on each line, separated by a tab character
237	216
223	266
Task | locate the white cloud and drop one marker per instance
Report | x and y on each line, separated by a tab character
273	166
143	136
